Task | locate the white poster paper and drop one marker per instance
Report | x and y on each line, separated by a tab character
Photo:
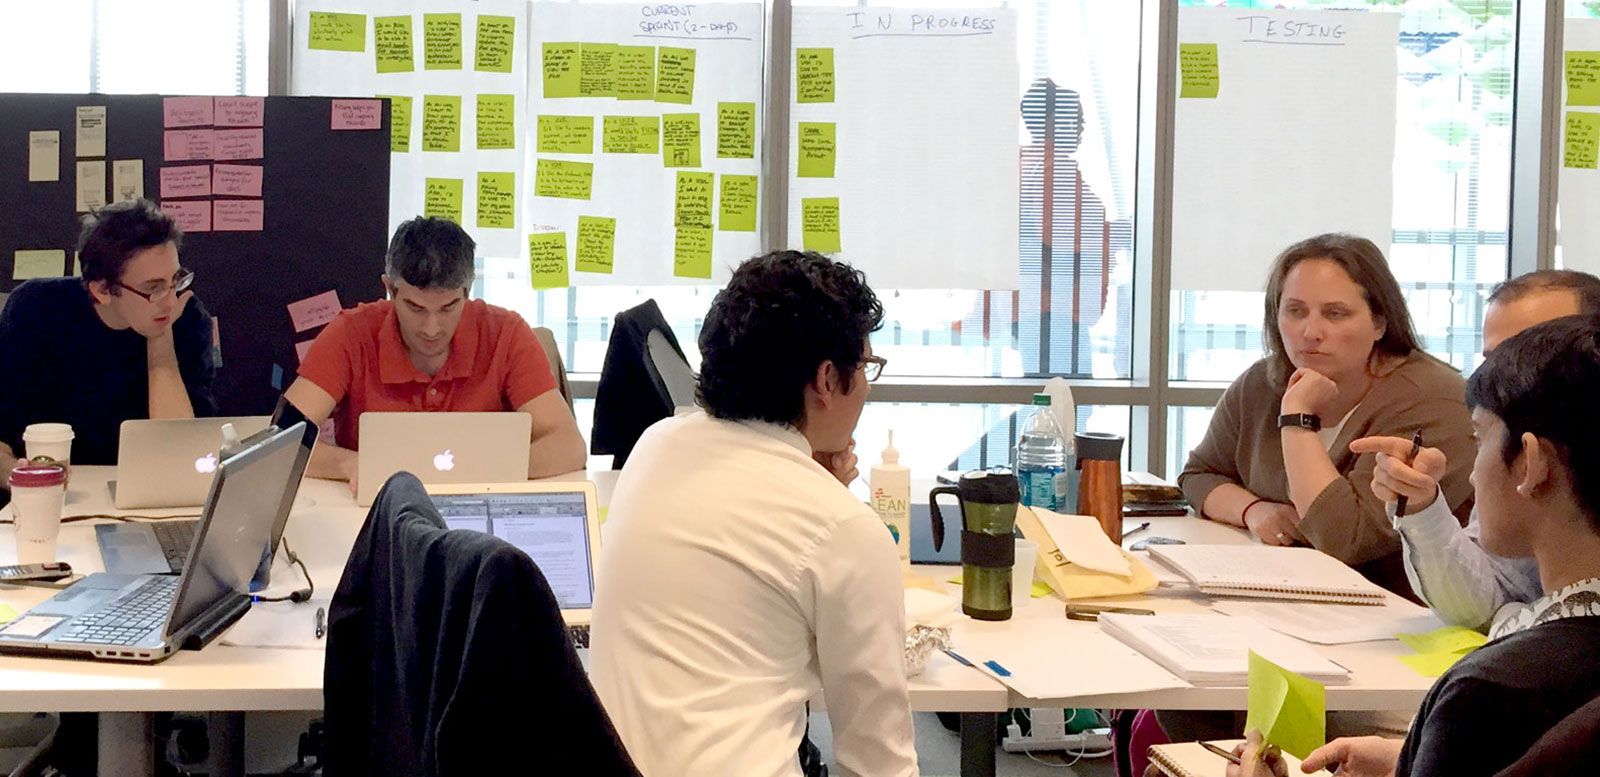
44	156
91	130
1577	229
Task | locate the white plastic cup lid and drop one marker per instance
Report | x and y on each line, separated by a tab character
47	433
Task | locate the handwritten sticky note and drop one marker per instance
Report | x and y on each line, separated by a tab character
557	178
1432	664
1449	639
241	111
596	244
441	122
736	130
313	312
1582	149
633	72
692	200
737	211
39	264
817	150
631	135
813	75
566	134
1199	71
391	44
497	196
441	198
594	69
91	130
497	121
674	75
301	349
235	180
127	180
680	140
691	253
91	185
357	114
239	144
185	111
819	224
561	69
399	123
185	145
441	41
1288	709
1583	78
237	216
7	614
496	43
185	181
44	156
338	31
191	215
547	260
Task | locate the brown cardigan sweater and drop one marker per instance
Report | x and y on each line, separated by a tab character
1346	521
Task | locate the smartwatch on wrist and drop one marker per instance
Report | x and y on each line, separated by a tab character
1302	420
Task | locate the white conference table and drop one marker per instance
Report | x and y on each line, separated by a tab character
322	529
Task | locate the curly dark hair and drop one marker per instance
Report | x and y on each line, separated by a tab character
779	318
113	234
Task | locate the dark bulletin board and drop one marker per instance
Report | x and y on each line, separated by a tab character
325	196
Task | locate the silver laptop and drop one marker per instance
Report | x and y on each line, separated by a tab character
146	618
169	463
442	448
556	524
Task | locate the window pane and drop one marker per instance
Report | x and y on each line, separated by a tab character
182	46
1186	427
44	47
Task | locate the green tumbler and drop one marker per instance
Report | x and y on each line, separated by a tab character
988	547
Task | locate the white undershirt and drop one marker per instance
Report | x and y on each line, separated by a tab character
1329	434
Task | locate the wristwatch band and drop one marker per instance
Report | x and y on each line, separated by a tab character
1303	420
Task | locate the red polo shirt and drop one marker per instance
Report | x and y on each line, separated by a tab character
495	364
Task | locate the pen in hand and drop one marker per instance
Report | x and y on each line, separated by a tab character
1416	446
1233	759
322	623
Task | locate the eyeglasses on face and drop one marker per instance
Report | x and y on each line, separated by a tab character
873	366
159	291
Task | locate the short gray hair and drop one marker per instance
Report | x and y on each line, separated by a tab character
431	253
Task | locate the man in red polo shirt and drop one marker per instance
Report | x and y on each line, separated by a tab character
429	348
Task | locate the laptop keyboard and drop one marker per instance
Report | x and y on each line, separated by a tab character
126	620
579	635
176	538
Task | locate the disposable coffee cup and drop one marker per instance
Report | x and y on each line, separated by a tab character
38	494
1022	573
49	440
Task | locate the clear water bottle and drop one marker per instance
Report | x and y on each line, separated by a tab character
1041	457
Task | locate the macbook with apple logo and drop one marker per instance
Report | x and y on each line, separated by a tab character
442	448
169	462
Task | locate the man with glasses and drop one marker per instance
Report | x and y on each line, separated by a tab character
739	575
125	341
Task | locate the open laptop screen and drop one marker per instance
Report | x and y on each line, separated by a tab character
552	528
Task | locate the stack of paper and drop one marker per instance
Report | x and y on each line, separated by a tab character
1262	571
1215	649
1054	658
1335	624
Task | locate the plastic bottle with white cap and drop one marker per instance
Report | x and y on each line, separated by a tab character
890	484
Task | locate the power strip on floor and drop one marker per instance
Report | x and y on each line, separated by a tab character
1094	740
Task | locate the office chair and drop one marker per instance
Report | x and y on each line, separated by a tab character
644	377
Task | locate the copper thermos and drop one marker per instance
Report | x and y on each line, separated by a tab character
1100	480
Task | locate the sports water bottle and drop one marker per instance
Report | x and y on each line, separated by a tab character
1041	458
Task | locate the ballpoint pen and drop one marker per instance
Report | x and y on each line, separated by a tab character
1416	446
1233	759
322	623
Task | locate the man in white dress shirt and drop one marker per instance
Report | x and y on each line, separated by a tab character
739	576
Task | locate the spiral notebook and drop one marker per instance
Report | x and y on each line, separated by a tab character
1189	759
1267	572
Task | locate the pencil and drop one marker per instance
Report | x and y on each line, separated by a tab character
1416	446
1233	759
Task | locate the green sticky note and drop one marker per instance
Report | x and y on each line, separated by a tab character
441	122
441	41
1582	140
597	242
497	38
631	135
819	224
813	75
566	134
338	31
674	75
391	44
399	123
1583	78
561	69
441	198
1432	664
691	253
1449	639
817	150
594	69
692	206
1289	710
736	130
547	260
7	614
497	200
680	140
556	178
1197	63
633	72
39	264
497	121
737	204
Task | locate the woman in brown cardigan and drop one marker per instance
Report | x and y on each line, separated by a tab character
1342	362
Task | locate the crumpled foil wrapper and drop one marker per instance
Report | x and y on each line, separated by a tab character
921	642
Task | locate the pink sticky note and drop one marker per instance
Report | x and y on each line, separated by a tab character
313	312
301	349
236	180
185	111
191	215
357	114
185	145
237	215
240	111
185	181
240	144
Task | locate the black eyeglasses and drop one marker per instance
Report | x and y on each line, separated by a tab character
180	283
873	366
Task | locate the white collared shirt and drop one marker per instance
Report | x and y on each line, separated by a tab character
737	579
